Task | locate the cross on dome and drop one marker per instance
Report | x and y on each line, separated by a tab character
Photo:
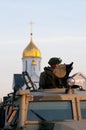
31	23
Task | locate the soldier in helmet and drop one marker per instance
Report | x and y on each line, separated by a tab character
48	79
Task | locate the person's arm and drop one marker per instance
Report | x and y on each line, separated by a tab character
42	81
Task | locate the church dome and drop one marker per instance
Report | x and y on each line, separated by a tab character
31	50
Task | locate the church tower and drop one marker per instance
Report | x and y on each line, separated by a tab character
32	60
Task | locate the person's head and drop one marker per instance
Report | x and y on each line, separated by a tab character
54	61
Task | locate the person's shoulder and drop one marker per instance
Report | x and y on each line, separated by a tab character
45	70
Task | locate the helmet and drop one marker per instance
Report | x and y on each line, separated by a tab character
54	60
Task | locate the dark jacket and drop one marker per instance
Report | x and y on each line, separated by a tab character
49	80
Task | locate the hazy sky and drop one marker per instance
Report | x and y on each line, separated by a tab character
59	30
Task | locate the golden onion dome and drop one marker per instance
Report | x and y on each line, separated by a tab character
31	50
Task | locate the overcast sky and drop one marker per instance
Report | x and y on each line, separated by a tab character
59	29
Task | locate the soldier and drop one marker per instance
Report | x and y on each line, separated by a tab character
52	77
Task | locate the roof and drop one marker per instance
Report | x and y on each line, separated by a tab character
31	50
18	81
